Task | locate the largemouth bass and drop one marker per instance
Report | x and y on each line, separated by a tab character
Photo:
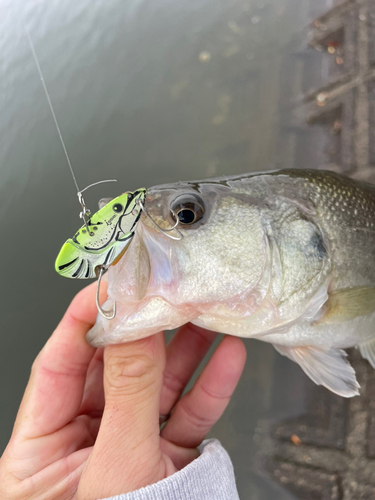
286	257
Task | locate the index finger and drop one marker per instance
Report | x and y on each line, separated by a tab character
55	388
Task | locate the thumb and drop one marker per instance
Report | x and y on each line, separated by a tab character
126	454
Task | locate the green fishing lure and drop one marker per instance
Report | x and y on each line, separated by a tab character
103	239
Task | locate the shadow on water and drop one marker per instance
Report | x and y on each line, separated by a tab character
146	92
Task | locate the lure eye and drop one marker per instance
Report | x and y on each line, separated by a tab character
188	208
117	208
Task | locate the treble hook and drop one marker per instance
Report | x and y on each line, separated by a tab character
164	231
105	314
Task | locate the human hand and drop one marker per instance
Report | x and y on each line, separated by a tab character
85	433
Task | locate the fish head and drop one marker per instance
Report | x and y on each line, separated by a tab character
215	263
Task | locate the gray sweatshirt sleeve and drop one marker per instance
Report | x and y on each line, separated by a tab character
208	477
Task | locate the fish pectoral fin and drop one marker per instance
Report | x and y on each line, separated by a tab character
344	305
367	350
327	367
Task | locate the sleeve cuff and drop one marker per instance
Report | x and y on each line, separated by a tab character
208	477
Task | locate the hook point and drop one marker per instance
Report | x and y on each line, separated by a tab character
105	314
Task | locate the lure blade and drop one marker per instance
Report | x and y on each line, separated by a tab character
111	229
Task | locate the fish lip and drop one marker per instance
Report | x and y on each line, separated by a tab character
158	248
126	327
93	333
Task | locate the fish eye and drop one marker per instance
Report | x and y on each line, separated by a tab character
117	208
188	208
186	216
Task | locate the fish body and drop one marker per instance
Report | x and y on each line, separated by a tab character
286	257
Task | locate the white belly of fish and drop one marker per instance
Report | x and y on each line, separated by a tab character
340	336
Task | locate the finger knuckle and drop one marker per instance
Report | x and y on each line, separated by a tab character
225	398
125	370
197	420
173	382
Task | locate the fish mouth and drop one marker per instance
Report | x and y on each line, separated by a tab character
141	282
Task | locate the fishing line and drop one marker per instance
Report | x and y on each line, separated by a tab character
85	211
50	105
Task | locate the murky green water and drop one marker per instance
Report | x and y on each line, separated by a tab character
146	92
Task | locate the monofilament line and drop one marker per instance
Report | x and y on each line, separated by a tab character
50	105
